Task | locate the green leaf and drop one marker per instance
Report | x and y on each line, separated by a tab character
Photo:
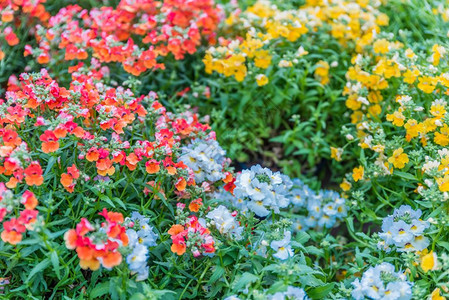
321	292
39	268
404	175
55	262
244	280
218	273
100	290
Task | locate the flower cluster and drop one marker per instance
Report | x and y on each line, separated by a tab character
291	293
14	227
405	230
225	222
15	13
141	236
418	125
16	161
86	137
324	209
105	147
263	190
206	158
98	244
135	33
264	26
382	282
191	233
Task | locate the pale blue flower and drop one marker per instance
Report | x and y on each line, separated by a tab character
291	293
283	248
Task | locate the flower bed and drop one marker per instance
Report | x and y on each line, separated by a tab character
286	151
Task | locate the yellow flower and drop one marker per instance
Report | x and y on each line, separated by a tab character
436	295
375	110
261	79
345	185
443	183
285	63
411	75
409	53
375	97
427	84
429	125
336	153
442	138
438	53
382	20
399	159
357	173
429	261
381	46
413	129
438	111
353	103
444	165
379	148
262	59
322	72
356	117
397	118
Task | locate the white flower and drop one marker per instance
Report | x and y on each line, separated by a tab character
282	247
138	258
225	222
205	158
291	293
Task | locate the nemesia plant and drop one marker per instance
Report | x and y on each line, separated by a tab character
135	33
182	149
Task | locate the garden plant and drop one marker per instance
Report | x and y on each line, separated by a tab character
214	149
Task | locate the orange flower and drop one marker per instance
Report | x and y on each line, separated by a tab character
105	167
93	154
33	174
29	200
131	161
152	166
12	231
50	142
179	249
181	184
92	264
171	170
11	237
73	171
115	217
7	16
175	229
78	132
111	260
60	132
11	138
67	181
43	58
70	238
195	205
228	177
11	38
12	183
85	252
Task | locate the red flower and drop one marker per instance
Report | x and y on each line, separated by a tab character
12	231
50	141
33	174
